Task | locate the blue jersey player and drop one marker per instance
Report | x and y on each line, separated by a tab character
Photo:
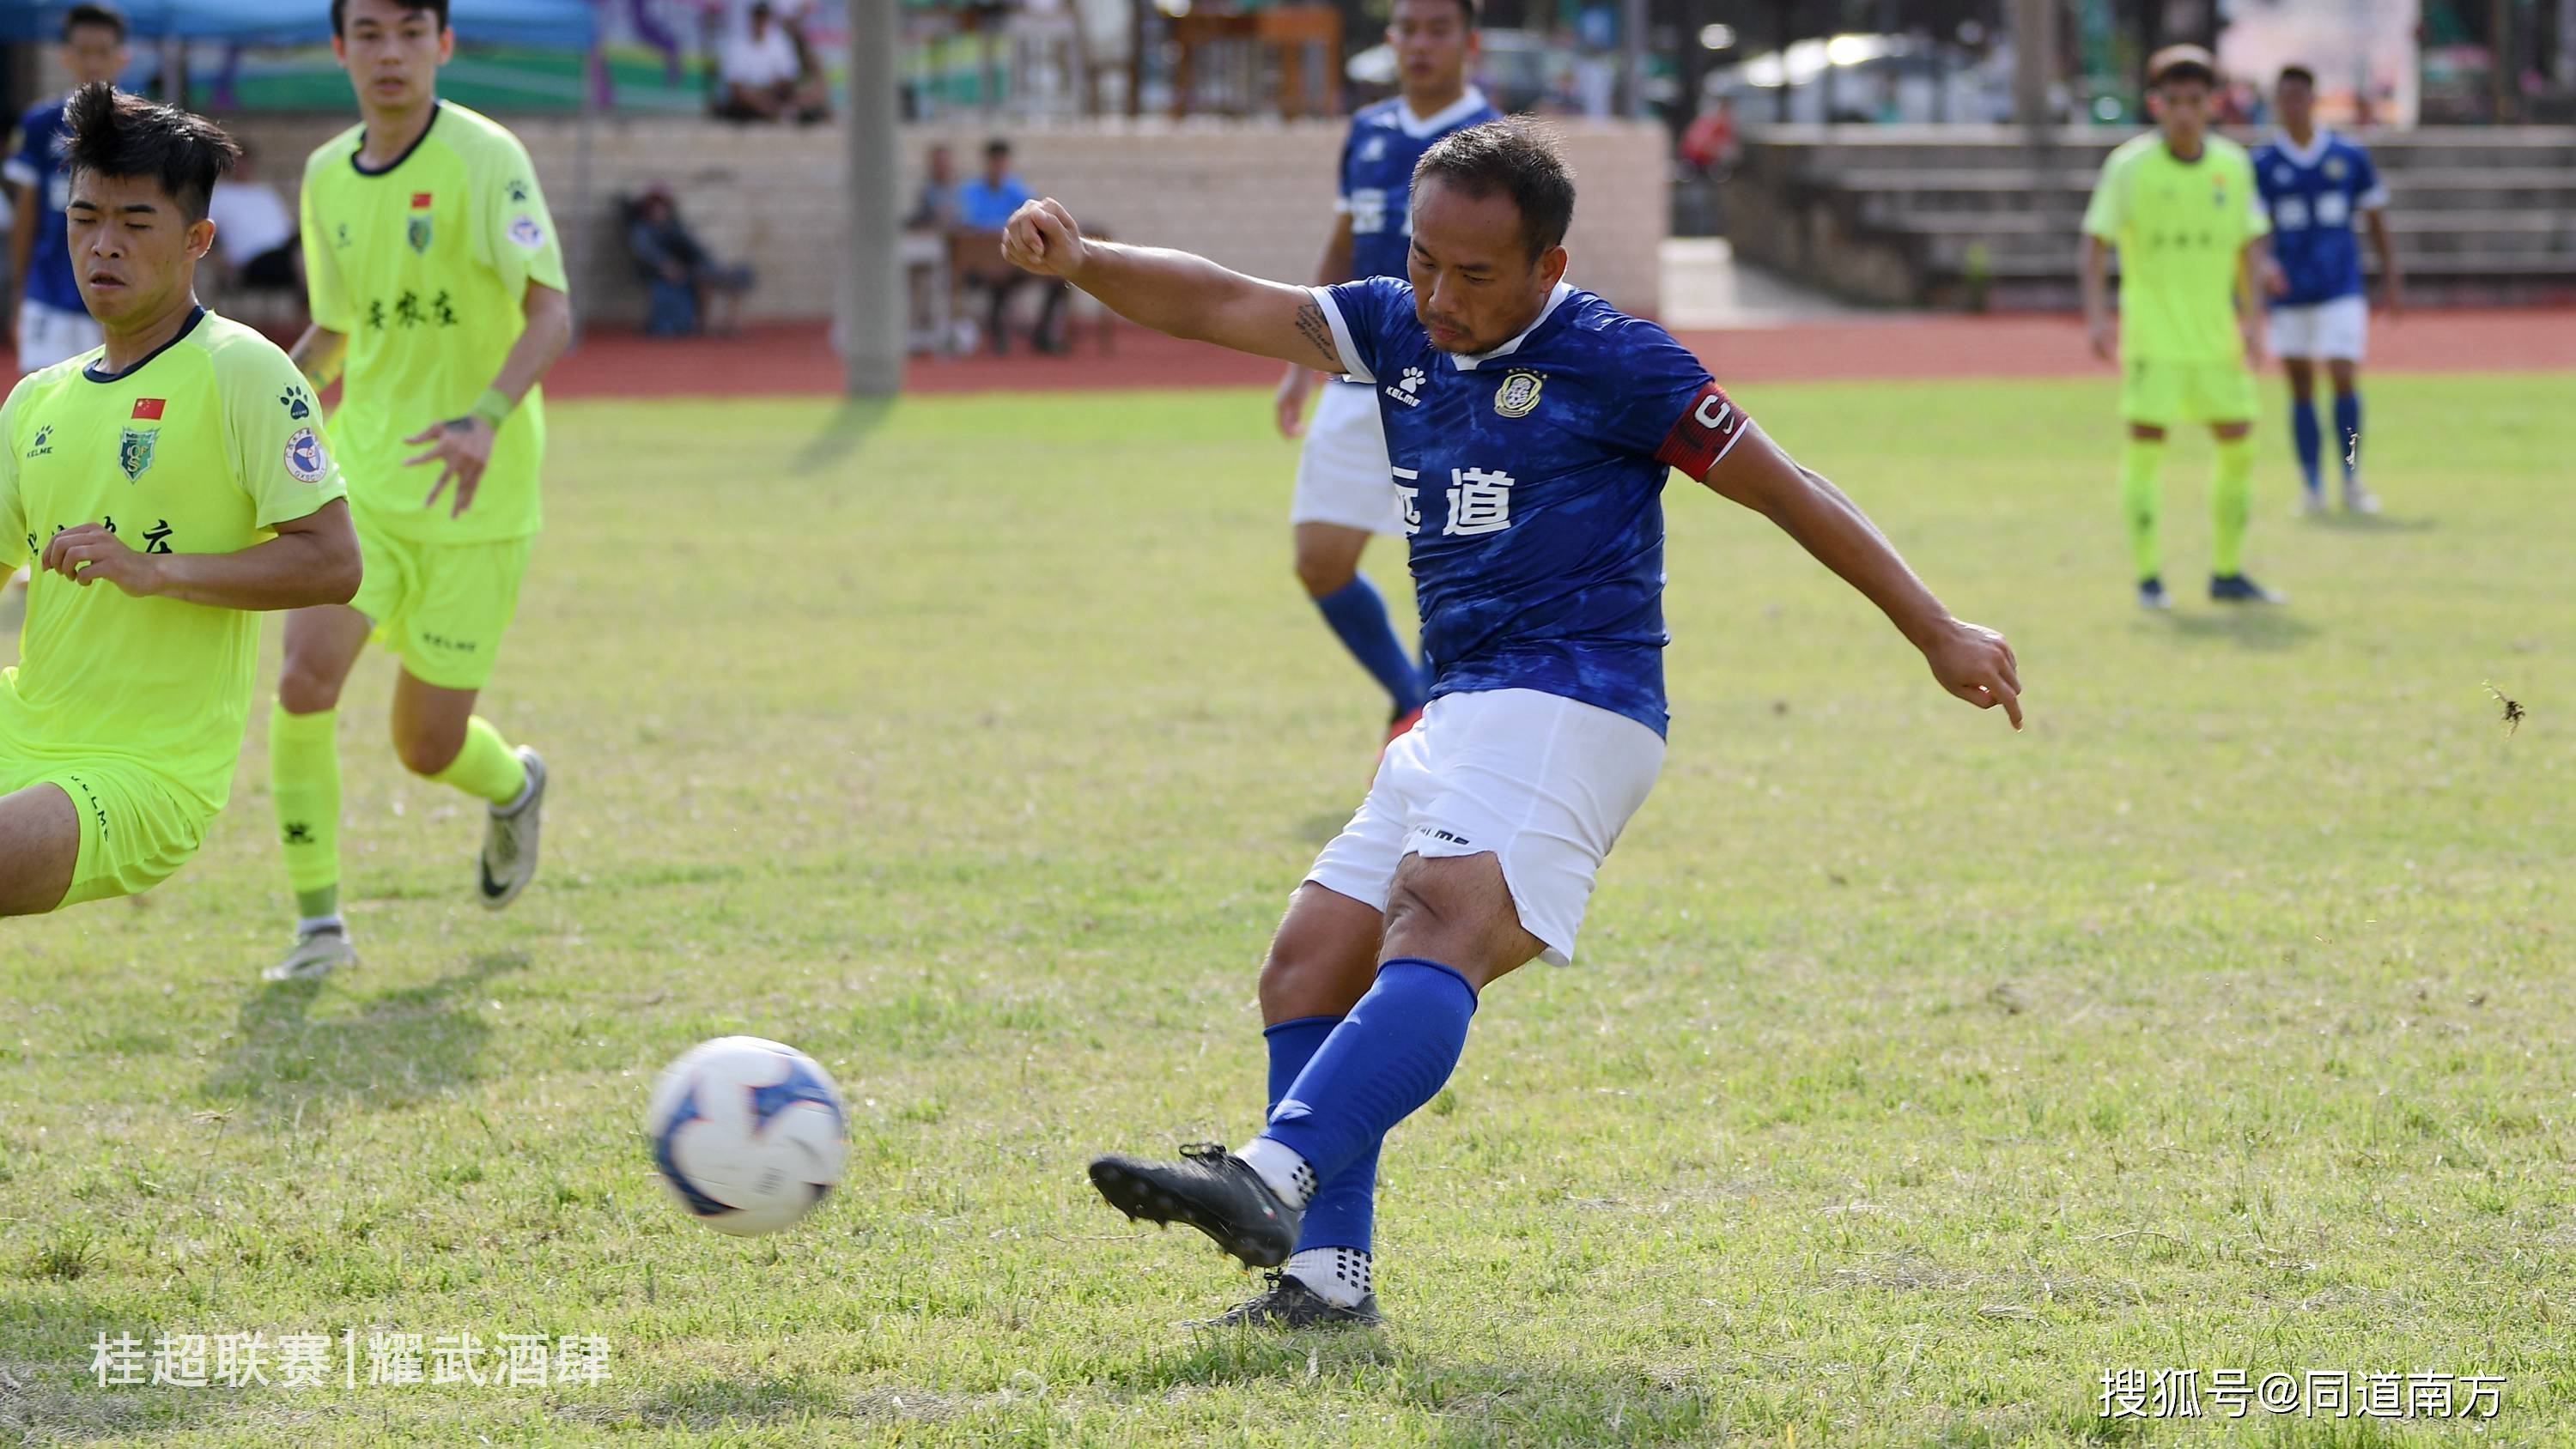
1342	495
1530	428
2317	185
53	324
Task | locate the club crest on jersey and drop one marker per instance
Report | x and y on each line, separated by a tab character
418	233
305	460
134	452
1518	396
527	233
2334	168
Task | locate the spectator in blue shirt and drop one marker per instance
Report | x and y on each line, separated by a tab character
985	204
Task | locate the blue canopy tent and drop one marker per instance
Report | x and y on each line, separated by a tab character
556	24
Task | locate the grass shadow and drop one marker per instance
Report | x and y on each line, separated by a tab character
2371	523
2247	627
845	432
402	1046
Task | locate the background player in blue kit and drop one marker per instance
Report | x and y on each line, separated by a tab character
2315	183
1530	428
1342	492
53	324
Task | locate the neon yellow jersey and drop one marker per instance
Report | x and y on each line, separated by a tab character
200	448
425	266
2180	227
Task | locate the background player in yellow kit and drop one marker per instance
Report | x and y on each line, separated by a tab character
436	275
182	467
2180	204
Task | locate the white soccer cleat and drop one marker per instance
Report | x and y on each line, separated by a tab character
2312	502
316	954
509	859
2357	499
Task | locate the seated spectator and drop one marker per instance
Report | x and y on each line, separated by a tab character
680	276
254	233
763	77
984	206
935	207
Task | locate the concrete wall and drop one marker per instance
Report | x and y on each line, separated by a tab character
1256	197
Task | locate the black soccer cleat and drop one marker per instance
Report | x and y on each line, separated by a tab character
2238	589
1210	1189
1290	1304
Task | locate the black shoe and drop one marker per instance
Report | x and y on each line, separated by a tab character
2238	589
1210	1189
2152	595
1288	1303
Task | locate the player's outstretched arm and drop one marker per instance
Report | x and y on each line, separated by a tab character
1174	292
1970	660
313	560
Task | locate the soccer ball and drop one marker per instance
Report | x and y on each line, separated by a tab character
748	1133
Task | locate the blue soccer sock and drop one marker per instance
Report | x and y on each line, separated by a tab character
2348	432
1358	614
1388	1057
1343	1212
2303	429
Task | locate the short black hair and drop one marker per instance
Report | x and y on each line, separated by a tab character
340	12
116	133
1474	11
1516	156
2181	63
2299	73
94	14
996	147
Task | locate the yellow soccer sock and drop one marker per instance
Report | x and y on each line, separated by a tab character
2140	497
487	767
2231	506
304	784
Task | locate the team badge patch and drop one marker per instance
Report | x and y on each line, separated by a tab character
305	460
2334	168
1518	396
134	452
527	233
418	232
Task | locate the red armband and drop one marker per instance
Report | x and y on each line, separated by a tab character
1703	433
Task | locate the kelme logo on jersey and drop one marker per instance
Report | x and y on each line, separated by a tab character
43	445
298	404
1518	396
417	233
1408	389
305	460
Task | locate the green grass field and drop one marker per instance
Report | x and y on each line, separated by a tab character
1915	1073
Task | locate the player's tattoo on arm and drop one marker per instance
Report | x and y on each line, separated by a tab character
1319	333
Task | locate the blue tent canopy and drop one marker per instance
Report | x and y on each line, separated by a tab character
554	24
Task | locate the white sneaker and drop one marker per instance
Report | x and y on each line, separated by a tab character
2357	499
2312	501
510	839
316	954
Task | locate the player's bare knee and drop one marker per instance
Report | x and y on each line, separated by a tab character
1325	572
303	689
427	753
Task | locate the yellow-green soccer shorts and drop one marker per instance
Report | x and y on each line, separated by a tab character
2162	394
441	607
135	830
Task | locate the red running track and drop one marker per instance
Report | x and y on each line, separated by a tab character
796	360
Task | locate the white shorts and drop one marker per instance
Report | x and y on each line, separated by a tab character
1542	783
1342	472
47	335
2335	331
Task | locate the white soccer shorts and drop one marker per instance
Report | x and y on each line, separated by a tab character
2336	331
1542	783
47	335
1342	472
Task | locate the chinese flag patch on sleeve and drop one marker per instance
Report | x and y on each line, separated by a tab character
149	407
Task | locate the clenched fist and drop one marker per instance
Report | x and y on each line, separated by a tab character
1043	237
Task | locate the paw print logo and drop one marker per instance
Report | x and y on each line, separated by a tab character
43	442
298	405
1411	382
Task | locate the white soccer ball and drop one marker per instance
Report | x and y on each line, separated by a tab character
748	1133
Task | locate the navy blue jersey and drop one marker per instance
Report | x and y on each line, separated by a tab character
1377	175
2312	194
37	164
1532	481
